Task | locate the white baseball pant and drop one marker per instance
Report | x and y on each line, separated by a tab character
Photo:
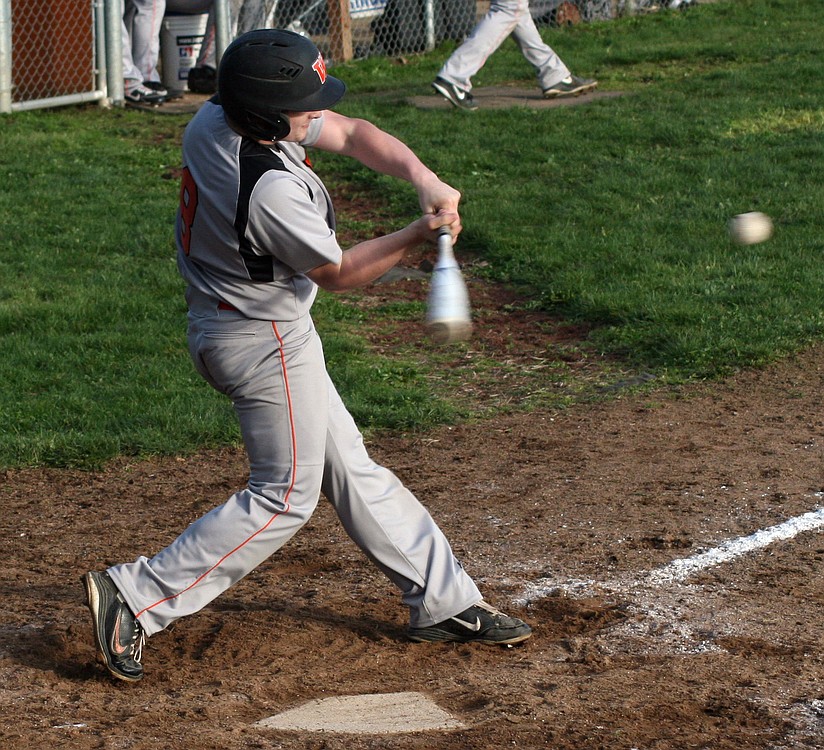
141	38
504	17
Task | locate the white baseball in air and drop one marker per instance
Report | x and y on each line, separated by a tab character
750	228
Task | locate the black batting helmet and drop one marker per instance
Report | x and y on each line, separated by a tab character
268	71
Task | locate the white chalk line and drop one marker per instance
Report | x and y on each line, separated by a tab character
679	570
685	619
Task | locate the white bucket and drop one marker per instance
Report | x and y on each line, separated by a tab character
181	37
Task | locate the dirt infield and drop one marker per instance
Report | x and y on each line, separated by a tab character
561	517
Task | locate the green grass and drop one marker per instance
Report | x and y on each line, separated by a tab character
615	214
611	215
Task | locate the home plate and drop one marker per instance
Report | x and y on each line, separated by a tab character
382	713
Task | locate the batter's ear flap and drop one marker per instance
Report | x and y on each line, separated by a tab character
268	128
283	127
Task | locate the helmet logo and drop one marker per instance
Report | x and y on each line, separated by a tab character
320	68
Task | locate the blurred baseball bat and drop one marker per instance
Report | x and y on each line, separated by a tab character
447	311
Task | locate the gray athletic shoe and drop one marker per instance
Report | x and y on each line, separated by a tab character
479	624
570	86
118	635
449	91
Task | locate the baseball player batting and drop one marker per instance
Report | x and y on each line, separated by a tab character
256	238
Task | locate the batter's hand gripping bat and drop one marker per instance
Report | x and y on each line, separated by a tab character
447	311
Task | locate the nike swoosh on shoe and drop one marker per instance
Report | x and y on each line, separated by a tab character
473	626
117	647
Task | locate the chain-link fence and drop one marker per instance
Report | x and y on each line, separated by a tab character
382	27
399	27
50	53
356	29
55	52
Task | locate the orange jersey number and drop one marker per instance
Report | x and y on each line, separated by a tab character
188	208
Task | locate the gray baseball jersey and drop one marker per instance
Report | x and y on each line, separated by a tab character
253	250
252	221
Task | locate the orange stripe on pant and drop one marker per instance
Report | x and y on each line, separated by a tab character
285	498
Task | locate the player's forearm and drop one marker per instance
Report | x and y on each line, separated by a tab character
367	261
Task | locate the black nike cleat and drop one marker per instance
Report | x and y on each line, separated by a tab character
118	635
481	623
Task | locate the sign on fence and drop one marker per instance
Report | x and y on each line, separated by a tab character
366	8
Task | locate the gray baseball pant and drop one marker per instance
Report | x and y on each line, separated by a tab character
300	440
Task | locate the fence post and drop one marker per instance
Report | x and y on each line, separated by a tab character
5	56
340	30
223	28
429	24
114	51
101	63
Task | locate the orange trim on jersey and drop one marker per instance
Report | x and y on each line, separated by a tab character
285	498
